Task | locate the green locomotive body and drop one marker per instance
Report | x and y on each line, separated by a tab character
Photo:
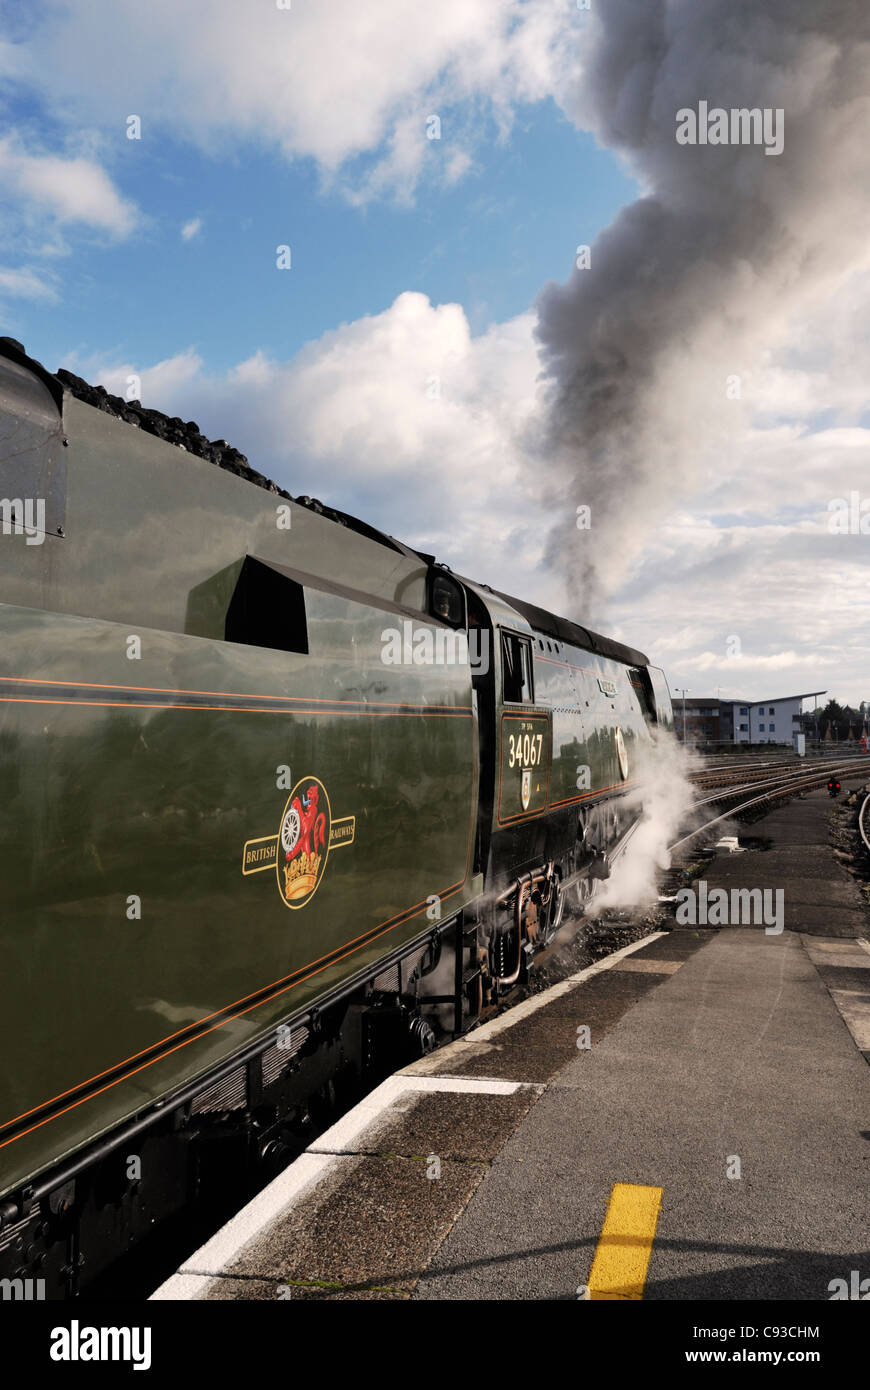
269	780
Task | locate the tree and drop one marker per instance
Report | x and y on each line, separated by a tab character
840	719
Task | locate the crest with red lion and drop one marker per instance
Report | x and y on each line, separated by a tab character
303	842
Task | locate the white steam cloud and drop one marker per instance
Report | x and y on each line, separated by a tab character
663	798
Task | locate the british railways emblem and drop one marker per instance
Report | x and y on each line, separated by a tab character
300	850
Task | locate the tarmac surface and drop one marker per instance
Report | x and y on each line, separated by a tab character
703	1096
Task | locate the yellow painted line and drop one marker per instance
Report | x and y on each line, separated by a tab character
625	1244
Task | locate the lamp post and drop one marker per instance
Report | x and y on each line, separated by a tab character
684	692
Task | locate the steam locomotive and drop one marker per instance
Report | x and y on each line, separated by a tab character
282	799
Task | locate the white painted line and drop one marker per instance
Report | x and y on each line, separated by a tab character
182	1288
606	961
346	1130
486	1085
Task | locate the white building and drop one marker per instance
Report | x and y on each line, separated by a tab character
766	721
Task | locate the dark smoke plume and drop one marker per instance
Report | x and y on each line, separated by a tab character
704	271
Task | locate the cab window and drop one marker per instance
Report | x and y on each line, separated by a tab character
516	660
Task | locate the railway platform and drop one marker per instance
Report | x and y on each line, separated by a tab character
687	1119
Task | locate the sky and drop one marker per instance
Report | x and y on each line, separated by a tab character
433	358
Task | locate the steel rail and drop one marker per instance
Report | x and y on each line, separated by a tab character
799	781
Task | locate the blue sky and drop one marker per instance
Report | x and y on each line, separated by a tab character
488	242
397	370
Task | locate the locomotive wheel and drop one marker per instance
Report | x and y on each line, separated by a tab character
585	890
557	910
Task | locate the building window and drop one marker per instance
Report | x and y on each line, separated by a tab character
771	710
772	729
761	728
761	709
743	710
743	728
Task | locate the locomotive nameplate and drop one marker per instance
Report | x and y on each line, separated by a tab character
524	771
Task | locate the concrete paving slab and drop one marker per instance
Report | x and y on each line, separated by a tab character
371	1223
855	1011
845	968
790	849
853	953
650	967
451	1125
369	1171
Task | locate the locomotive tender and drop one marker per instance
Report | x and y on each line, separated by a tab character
251	845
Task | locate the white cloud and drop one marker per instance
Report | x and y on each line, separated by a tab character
332	82
25	284
162	384
70	190
403	418
191	228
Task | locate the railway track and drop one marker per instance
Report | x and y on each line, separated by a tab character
768	788
752	771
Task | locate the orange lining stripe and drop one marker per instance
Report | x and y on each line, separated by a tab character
616	786
440	712
228	694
